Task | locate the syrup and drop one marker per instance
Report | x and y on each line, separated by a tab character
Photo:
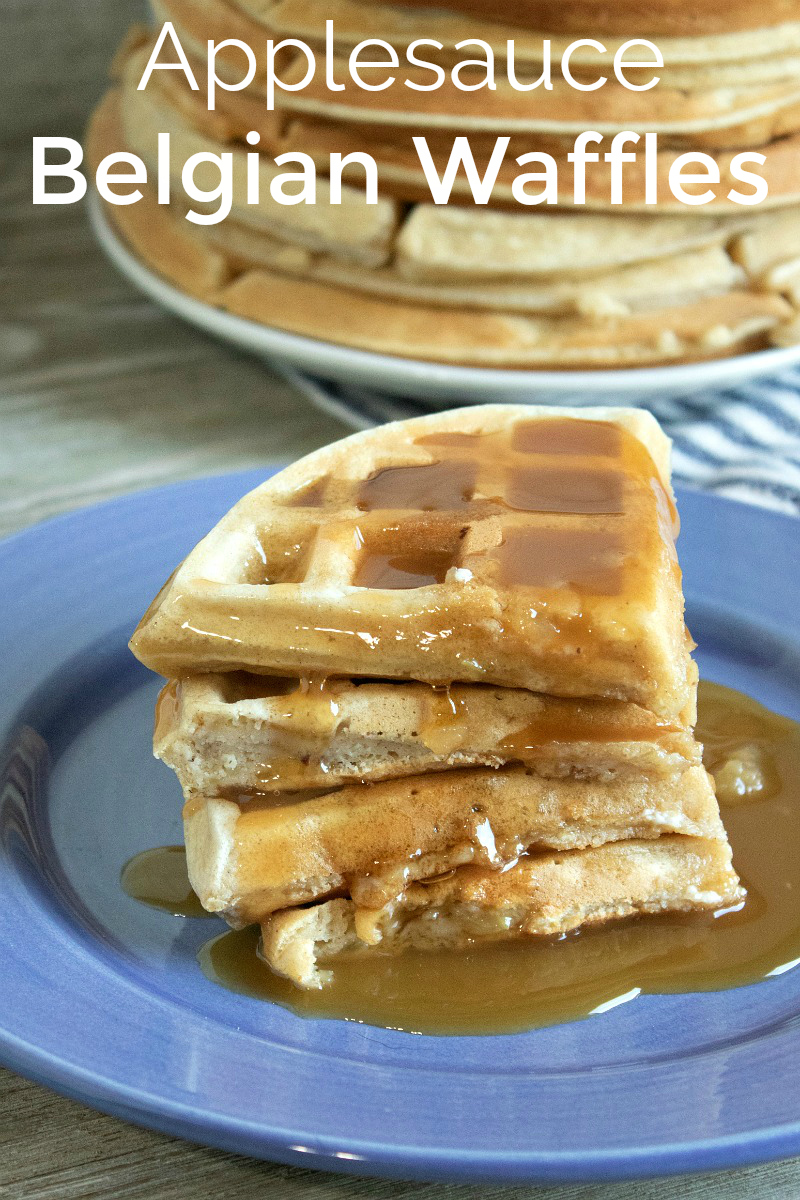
586	724
565	490
394	571
512	986
444	724
312	496
432	487
314	708
564	435
159	878
552	559
168	707
543	532
480	475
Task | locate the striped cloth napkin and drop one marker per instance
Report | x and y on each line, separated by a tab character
743	443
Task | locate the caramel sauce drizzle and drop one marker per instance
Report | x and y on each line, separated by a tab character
315	710
159	878
168	707
506	987
395	571
512	986
583	726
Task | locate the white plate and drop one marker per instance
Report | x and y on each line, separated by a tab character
434	383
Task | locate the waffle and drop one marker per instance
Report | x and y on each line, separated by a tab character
738	115
256	21
600	334
497	544
497	551
544	894
358	231
496	244
250	858
737	322
654	286
598	330
221	266
401	174
672	18
441	245
726	117
731	59
238	733
168	104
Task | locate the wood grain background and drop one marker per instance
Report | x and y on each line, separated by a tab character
102	393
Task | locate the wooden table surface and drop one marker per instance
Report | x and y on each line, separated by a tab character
100	394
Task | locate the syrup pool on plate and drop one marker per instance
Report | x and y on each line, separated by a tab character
511	986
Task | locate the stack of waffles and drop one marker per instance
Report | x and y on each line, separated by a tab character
500	285
432	686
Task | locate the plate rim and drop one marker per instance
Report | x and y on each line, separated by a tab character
380	1158
405	1161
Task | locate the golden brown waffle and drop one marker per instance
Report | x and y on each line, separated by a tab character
443	245
496	244
729	58
372	841
737	322
600	334
359	232
255	21
543	894
725	117
238	733
500	544
673	18
169	105
221	265
654	286
401	175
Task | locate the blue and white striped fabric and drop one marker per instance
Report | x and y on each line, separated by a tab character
743	443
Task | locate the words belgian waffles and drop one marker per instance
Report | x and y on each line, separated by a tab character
118	175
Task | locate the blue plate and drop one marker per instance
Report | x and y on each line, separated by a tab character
101	997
